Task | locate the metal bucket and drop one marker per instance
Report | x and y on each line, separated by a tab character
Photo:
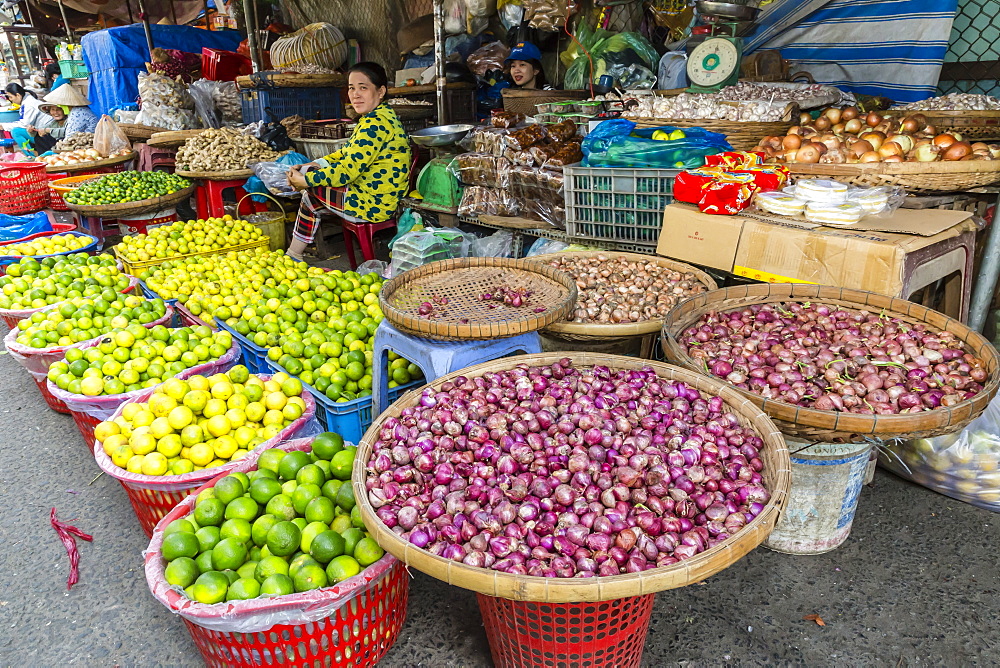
826	483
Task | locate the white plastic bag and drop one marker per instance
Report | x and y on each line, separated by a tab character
499	244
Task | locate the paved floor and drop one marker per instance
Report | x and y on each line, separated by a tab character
916	583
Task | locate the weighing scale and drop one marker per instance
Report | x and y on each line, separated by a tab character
715	63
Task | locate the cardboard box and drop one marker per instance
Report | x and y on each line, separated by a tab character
864	257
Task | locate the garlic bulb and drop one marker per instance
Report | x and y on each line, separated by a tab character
956	102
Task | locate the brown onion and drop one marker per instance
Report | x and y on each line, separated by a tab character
853	126
823	123
834	114
808	154
791	141
944	140
873	119
849	113
876	139
871	156
957	151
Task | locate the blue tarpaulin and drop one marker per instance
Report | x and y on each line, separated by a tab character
116	56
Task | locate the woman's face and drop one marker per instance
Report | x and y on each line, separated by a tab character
362	93
15	98
522	73
56	113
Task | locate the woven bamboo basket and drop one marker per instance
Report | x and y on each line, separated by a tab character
216	176
742	136
79	167
135	131
523	101
972	125
832	426
597	331
116	211
172	137
915	177
466	317
777	470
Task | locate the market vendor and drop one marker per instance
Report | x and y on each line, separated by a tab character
54	77
524	67
374	165
71	112
32	117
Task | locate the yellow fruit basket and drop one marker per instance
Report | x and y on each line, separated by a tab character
135	267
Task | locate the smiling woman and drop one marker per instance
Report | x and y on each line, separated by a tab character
374	165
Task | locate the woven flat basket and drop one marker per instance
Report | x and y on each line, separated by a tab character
79	167
599	331
777	476
216	176
829	426
972	125
172	137
117	211
466	317
135	131
742	136
915	177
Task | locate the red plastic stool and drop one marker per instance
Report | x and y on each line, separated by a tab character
208	196
364	232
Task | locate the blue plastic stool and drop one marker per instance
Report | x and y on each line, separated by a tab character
437	358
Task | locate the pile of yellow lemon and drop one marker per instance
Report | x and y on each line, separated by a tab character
59	243
201	422
193	236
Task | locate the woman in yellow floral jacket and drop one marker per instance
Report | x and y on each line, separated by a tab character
374	165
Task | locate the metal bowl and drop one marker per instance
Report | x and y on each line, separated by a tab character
730	10
441	135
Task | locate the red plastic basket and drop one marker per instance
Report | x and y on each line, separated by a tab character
86	425
151	505
55	404
359	635
24	187
187	319
606	633
218	65
12	320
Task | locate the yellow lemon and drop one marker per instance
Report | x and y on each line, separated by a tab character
214	407
121	455
129	411
237	401
219	426
275	401
169	446
224	447
175	388
113	442
191	434
134	464
160	428
254	411
143	418
196	400
198	382
142	444
92	386
236	417
222	390
180	417
105	429
161	405
201	454
271	386
291	412
273	417
244	435
154	464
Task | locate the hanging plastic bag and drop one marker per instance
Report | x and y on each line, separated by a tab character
454	17
109	138
672	72
616	143
487	57
272	177
499	244
19	227
201	92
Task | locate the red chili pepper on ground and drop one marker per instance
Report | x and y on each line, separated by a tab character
66	533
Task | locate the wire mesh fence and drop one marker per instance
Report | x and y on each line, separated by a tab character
972	62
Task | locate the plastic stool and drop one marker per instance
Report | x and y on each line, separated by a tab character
208	195
437	358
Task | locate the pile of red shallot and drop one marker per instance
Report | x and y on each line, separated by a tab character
852	136
559	471
835	359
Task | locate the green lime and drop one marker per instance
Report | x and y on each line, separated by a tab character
302	495
277	585
291	463
330	489
243	589
327	444
356	518
326	546
345	497
248	569
228	553
211	587
320	509
341	523
182	572
179	544
232	575
310	474
260	527
269	566
310	576
352	537
341	465
179	525
208	537
204	561
342	568
262	489
229	489
367	552
237	528
281	507
301	559
209	512
310	531
270	459
283	539
243	508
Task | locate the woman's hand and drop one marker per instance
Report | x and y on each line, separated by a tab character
297	179
42	132
32	130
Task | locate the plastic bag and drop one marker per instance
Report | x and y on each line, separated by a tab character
672	71
201	93
964	466
880	202
166	103
543	246
109	138
419	247
454	17
377	267
258	614
624	49
274	183
19	227
488	57
478	201
548	15
274	176
617	143
499	244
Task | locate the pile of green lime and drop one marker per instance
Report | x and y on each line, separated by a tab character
290	526
33	283
82	319
126	187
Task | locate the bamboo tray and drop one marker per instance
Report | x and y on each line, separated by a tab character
172	137
216	176
599	331
291	80
135	131
742	136
915	177
118	211
817	425
972	125
774	454
465	317
79	167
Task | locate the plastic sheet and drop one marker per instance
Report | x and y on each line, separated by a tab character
259	614
499	244
964	466
13	228
617	143
104	406
305	426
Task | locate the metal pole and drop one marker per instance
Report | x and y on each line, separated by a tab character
439	76
208	19
69	33
173	12
989	270
128	6
145	26
251	23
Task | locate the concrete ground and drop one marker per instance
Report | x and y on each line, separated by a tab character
915	584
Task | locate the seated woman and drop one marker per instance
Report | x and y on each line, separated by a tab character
71	112
524	67
374	165
54	77
32	117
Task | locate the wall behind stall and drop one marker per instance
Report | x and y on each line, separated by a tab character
972	63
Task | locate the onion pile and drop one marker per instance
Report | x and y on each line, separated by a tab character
956	102
617	289
557	471
851	136
835	359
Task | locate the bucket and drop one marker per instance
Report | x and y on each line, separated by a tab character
271	223
142	224
826	482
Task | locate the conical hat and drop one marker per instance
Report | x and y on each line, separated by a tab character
66	95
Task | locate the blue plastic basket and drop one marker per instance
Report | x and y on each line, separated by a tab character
89	248
274	104
149	293
254	357
350	419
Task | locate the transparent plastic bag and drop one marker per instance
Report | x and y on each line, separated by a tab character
166	103
274	175
201	92
258	614
617	143
499	244
880	202
543	246
964	466
109	138
479	201
377	267
417	248
487	57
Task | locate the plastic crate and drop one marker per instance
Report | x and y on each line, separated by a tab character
11	259
617	204
350	419
73	69
135	268
274	104
254	356
218	65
